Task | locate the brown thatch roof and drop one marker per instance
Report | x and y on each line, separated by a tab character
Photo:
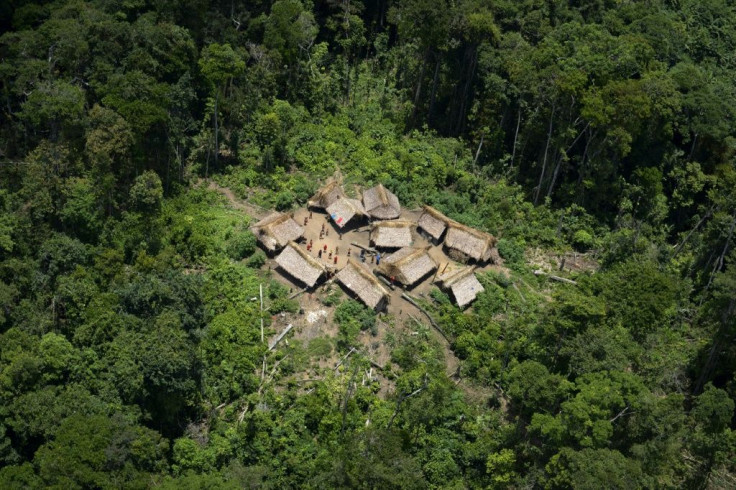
463	284
300	264
433	222
358	279
391	234
469	241
408	265
327	194
381	203
344	209
276	230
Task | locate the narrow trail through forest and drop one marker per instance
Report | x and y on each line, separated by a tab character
252	210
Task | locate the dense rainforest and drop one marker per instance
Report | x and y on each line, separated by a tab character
599	132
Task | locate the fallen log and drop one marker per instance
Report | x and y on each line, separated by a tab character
540	272
431	320
281	336
384	280
352	349
297	293
368	249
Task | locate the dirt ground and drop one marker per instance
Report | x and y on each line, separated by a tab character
569	261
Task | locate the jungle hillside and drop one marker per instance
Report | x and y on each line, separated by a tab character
149	340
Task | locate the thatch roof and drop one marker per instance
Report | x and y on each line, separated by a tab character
359	279
300	264
381	203
433	222
391	234
463	284
408	265
276	230
344	209
327	194
469	241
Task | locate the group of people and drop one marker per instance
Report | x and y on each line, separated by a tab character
325	232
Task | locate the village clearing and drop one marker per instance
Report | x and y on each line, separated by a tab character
313	325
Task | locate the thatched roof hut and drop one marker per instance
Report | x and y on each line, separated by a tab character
463	284
465	242
433	222
408	265
344	209
359	280
276	230
300	265
381	203
327	194
391	234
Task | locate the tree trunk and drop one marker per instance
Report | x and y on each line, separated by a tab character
418	91
347	80
544	160
692	147
217	142
719	263
554	175
473	54
693	230
434	90
516	137
477	153
581	170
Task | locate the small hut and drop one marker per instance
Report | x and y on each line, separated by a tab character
433	223
391	234
359	281
344	209
466	243
300	265
463	285
327	194
380	203
276	230
408	265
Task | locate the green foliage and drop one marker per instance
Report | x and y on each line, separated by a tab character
230	353
353	317
128	323
257	260
81	211
641	296
534	389
146	193
582	240
241	245
334	296
589	468
511	251
99	451
320	347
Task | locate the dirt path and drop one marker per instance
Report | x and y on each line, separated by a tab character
252	210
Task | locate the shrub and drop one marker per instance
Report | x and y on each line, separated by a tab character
241	245
352	317
582	240
284	200
511	251
256	260
332	298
